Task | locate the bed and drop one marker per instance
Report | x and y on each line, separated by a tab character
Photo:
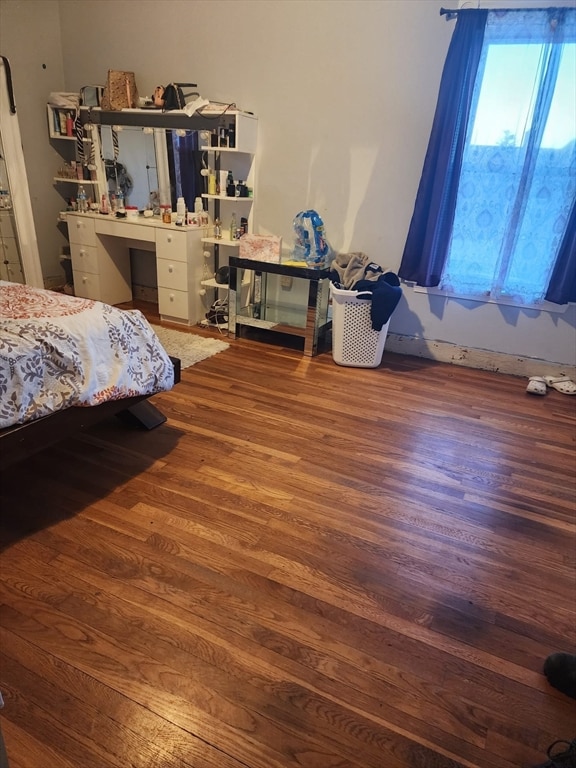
68	362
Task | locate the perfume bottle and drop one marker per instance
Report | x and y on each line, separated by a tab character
81	202
180	212
230	186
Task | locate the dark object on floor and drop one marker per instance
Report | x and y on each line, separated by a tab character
218	312
561	754
3	755
560	671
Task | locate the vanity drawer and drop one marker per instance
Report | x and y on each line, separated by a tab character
9	250
11	271
7	223
87	286
84	258
173	303
171	244
172	274
81	230
125	228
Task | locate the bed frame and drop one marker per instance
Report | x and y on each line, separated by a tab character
22	440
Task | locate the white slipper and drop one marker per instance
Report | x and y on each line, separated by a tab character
561	384
536	386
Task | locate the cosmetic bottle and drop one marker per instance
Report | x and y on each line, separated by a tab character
223	179
217	229
230	186
233	227
180	212
231	135
81	201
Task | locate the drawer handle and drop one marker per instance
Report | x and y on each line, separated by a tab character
171	297
169	238
170	268
84	279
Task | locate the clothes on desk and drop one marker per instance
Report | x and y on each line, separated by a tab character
355	272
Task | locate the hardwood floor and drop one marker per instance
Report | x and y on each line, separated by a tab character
307	566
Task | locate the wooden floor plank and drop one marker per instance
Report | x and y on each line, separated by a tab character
306	565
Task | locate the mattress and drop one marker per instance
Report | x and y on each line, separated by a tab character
59	351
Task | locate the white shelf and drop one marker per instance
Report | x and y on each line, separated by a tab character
221	241
211	283
74	181
69	138
230	199
231	150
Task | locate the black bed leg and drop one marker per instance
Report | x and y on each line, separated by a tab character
143	414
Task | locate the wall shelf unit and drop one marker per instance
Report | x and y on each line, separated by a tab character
241	129
186	258
72	154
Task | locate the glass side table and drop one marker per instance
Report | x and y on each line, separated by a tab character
279	298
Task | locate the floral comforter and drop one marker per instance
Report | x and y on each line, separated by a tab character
58	351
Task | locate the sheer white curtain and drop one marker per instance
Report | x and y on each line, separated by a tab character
518	180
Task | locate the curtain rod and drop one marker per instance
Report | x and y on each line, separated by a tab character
449	13
452	13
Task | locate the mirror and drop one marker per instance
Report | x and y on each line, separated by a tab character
129	156
19	257
152	166
10	259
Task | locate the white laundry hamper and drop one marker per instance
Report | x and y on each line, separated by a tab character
354	342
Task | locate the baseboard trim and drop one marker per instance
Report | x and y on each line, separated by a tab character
484	359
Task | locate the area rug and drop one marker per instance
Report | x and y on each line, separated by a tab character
189	347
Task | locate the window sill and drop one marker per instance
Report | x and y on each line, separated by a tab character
545	306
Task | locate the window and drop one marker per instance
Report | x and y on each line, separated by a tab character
508	190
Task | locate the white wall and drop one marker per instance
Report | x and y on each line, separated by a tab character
345	92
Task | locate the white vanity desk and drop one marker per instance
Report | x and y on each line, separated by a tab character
100	248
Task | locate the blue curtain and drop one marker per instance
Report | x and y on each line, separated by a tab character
431	225
494	214
186	162
518	174
562	288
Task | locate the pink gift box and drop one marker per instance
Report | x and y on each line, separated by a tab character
261	247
